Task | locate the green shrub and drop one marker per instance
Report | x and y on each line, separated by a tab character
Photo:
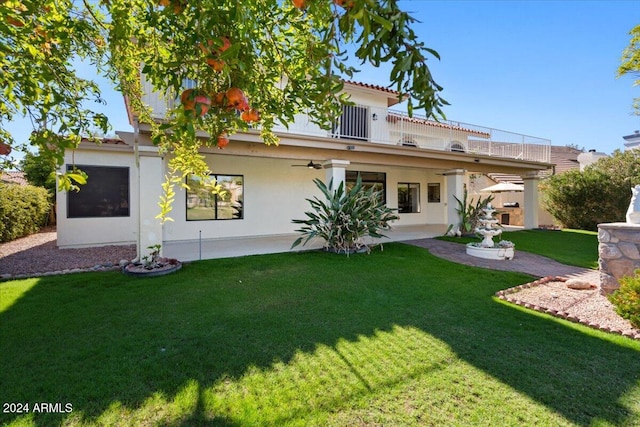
627	299
24	209
601	193
345	217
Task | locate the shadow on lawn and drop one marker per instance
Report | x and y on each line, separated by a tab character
96	339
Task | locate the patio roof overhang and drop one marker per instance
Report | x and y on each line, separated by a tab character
362	152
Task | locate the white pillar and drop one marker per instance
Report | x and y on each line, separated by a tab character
531	203
455	187
336	171
150	179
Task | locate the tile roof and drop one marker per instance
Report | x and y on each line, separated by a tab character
13	177
563	159
371	86
108	141
393	118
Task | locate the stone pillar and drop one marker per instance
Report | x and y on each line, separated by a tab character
151	177
618	253
336	170
531	203
455	187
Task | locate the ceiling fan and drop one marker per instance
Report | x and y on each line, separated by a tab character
309	165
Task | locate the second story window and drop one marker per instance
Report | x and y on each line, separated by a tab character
353	123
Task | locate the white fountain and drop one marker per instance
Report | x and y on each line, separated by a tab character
488	229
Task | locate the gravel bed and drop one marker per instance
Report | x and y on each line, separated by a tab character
37	254
587	306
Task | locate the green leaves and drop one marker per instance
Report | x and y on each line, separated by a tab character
344	217
287	61
631	61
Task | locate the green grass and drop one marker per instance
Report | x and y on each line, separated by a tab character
572	247
393	338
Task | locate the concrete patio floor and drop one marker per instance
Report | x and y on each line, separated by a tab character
192	250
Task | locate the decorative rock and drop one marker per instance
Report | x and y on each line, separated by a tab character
603	235
579	284
629	250
123	262
609	251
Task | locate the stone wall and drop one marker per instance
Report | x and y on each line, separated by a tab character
618	252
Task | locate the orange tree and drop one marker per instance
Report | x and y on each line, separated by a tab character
253	62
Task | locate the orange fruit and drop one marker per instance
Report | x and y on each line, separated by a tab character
5	149
250	115
216	64
237	99
223	140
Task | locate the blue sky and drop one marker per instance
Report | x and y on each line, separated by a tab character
541	68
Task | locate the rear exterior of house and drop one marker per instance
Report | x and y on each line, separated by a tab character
418	164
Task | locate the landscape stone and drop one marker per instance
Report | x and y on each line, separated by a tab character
609	251
630	250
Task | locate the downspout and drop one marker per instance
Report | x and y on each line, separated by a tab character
136	151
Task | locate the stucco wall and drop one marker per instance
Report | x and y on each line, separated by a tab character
275	193
78	232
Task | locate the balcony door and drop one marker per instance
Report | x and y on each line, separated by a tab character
353	123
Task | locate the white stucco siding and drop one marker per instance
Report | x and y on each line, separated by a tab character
100	231
430	213
274	194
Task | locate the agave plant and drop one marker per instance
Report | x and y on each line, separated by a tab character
345	217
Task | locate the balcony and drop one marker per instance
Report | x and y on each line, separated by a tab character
385	126
379	125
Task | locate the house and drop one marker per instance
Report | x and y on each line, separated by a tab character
632	141
510	203
419	164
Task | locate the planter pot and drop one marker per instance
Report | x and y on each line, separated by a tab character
138	269
490	253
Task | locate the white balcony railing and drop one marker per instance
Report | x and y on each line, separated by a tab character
383	126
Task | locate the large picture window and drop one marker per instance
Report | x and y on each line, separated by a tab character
205	205
106	193
377	180
408	197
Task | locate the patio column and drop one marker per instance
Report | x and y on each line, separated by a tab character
455	187
150	179
531	201
336	170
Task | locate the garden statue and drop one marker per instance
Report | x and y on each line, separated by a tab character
487	228
633	213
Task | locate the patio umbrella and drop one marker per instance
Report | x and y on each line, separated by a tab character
503	187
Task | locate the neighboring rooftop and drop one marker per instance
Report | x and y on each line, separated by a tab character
563	158
632	141
13	177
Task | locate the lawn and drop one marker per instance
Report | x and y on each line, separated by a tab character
397	337
572	247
